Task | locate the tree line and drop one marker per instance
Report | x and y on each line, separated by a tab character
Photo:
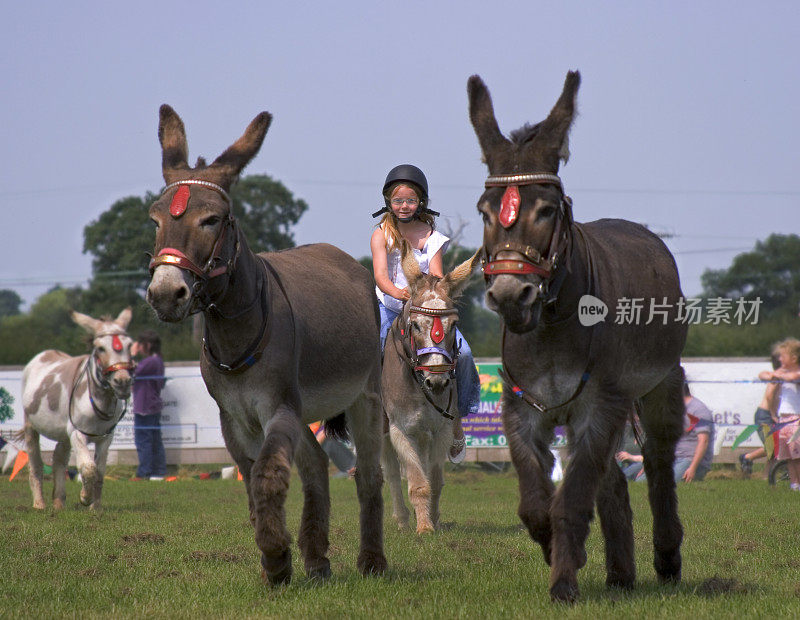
267	212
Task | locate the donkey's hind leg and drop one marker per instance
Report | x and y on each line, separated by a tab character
365	420
269	485
662	419
36	467
312	463
60	462
616	522
528	443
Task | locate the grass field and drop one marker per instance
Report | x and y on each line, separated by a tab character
185	549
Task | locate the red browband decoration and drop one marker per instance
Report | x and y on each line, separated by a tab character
116	343
437	331
179	201
509	209
516	267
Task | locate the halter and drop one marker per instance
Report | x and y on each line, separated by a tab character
99	376
116	344
176	258
531	261
410	354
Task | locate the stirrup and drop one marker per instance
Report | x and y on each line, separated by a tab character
461	446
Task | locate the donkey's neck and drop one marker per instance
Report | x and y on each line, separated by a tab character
577	282
237	315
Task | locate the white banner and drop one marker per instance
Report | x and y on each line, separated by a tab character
190	418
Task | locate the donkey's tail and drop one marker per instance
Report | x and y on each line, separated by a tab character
336	427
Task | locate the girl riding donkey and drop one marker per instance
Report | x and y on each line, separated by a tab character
407	217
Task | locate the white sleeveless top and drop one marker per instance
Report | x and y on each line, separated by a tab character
790	399
435	242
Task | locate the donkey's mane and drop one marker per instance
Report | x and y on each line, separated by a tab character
526	133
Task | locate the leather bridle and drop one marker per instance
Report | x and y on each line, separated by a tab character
411	354
531	261
211	268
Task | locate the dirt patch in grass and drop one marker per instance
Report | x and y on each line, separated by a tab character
143	538
214	556
716	586
746	545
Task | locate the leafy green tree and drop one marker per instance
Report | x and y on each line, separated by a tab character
771	272
10	302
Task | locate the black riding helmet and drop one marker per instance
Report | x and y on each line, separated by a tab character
412	175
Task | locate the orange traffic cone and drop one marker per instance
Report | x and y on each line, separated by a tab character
238	474
19	463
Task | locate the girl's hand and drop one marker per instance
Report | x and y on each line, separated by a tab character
405	295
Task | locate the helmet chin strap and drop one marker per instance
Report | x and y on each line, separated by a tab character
406	220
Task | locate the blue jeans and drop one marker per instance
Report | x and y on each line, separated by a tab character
149	445
468	382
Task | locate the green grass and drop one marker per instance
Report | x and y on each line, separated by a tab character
185	549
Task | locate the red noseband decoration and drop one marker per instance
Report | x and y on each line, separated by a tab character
509	209
116	343
179	201
437	331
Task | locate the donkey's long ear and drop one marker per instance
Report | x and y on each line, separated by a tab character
456	281
410	266
553	135
124	318
481	113
88	323
172	136
239	154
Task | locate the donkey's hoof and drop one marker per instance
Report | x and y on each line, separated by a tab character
620	582
277	571
668	567
425	528
371	563
86	498
321	572
564	591
41	505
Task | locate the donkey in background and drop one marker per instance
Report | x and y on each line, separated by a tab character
539	265
76	401
291	338
419	399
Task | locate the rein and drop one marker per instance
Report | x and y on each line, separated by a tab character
257	346
525	395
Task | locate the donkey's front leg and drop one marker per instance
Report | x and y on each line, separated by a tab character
594	436
86	466
237	451
100	458
528	442
391	469
616	521
269	484
365	419
312	463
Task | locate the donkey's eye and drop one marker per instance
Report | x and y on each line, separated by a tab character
415	327
101	349
155	223
486	218
212	220
546	212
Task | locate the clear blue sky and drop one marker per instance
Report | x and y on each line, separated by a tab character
688	112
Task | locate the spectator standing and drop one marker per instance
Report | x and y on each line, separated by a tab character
788	374
147	385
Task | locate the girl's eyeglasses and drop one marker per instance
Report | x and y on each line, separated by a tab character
398	202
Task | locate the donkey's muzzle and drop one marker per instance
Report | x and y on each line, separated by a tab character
514	299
